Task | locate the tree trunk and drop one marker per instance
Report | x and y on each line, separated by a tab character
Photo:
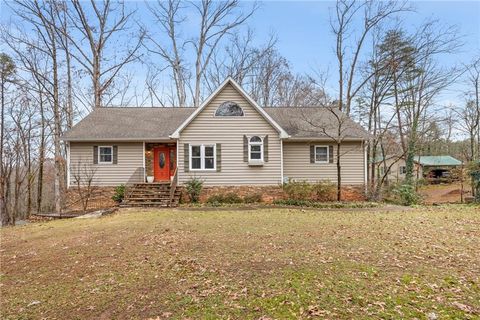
3	207
339	175
57	131
96	82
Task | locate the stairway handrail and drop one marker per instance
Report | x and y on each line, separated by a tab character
173	186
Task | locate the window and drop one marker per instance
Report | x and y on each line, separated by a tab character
321	154
202	157
105	155
229	109
403	170
255	149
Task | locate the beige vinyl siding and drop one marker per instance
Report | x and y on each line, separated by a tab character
296	163
394	174
128	168
229	132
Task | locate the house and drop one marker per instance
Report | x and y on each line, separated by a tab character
228	141
432	167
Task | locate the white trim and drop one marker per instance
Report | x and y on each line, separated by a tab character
315	153
281	161
202	157
365	171
144	165
250	144
98	155
283	133
68	164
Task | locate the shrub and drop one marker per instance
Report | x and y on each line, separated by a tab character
119	194
253	198
323	205
406	195
324	191
298	190
227	198
231	197
194	187
215	199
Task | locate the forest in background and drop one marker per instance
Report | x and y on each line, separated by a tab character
61	59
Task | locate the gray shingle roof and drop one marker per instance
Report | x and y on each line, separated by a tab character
104	124
128	124
316	123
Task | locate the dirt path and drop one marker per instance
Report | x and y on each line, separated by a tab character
443	193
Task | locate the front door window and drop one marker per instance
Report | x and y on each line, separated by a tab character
162	160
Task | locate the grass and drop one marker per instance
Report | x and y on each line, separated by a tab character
251	264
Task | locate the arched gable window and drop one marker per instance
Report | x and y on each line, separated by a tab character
229	109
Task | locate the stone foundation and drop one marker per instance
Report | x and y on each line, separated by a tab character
269	193
101	198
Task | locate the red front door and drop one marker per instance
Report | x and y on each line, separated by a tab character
161	164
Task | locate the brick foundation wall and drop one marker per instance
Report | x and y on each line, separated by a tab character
101	198
269	193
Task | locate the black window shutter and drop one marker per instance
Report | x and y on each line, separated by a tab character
245	149
115	155
186	157
330	154
312	153
95	154
218	149
265	148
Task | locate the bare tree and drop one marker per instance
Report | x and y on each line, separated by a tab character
426	81
7	71
342	23
168	17
215	24
336	126
99	22
83	176
473	78
42	17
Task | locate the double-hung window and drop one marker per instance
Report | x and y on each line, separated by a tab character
255	149
321	154
202	157
105	155
403	169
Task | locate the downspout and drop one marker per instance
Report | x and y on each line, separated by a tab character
68	164
144	164
281	161
365	169
178	157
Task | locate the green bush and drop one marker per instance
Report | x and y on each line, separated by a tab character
298	190
253	198
406	195
324	191
194	188
119	194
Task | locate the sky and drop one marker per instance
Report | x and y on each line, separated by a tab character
305	39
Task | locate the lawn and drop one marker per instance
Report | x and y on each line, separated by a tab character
246	264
